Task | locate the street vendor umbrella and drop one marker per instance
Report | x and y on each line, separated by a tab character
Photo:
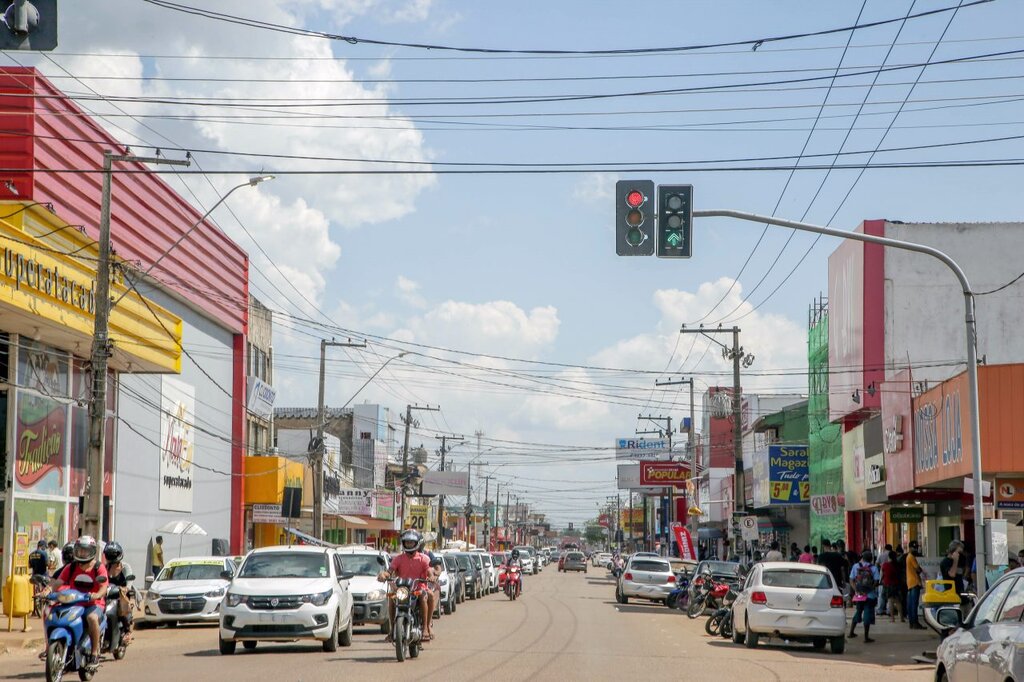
181	528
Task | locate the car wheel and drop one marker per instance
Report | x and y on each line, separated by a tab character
345	636
737	636
448	607
943	676
751	637
385	628
838	646
227	646
819	643
455	605
331	643
249	644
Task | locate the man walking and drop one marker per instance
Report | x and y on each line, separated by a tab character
864	577
157	558
913	585
835	563
773	553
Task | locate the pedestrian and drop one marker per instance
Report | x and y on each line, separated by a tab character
913	585
891	586
814	552
835	563
949	567
806	557
52	557
1012	564
864	577
794	552
158	556
883	601
773	553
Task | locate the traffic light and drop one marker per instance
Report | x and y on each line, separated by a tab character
634	218
675	221
29	25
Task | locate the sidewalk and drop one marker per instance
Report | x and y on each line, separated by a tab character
16	641
895	643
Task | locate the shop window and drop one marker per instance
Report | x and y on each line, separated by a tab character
5	358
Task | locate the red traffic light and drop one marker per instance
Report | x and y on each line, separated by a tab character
634	198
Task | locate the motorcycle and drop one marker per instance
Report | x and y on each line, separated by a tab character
513	582
67	640
720	622
407	630
709	595
115	640
679	597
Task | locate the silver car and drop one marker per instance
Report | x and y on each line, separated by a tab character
645	577
988	644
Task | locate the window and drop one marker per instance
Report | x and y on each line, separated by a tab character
987	609
1013	607
807	580
652	566
285	565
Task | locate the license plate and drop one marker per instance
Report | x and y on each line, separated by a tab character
796	621
273	618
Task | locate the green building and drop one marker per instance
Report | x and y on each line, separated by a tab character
825	451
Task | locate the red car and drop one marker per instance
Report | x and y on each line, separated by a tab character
499	559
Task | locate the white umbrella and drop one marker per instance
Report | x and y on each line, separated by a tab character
181	528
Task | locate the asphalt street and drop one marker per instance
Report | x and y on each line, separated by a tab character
565	627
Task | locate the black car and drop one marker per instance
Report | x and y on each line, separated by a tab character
458	578
473	576
720	571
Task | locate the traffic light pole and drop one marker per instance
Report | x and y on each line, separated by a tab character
970	327
691	446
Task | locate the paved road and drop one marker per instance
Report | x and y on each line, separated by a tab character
566	627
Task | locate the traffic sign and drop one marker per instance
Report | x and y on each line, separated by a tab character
748	528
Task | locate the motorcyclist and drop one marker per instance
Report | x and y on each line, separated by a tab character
514	561
118	571
412	564
84	563
67	556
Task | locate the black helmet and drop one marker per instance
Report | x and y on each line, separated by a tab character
67	554
515	553
85	549
113	552
411	541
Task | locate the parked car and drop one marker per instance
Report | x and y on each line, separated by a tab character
188	589
645	577
574	561
287	593
797	602
457	579
369	596
485	578
492	571
987	644
472	575
526	555
600	559
728	572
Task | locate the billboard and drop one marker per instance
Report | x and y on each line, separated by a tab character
629	476
663	474
789	480
642	448
357	501
445	483
177	444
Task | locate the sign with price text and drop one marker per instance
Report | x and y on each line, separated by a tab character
789	479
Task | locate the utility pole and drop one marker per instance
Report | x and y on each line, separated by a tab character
487	516
691	446
102	349
497	506
440	498
469	492
405	451
319	449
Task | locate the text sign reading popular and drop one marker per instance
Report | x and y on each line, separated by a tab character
663	475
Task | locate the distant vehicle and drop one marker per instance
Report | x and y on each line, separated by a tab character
457	579
645	578
574	561
491	573
527	557
286	593
791	601
369	597
188	589
473	577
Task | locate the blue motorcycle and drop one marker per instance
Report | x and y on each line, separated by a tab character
67	639
677	598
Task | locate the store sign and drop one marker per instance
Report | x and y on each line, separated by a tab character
897	435
628	477
906	515
260	397
663	474
384	505
642	448
892	435
41	445
27	272
825	505
177	451
267	513
1010	493
355	501
789	480
445	483
940	451
418	517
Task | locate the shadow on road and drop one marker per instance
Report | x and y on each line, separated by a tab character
25	676
658	609
876	655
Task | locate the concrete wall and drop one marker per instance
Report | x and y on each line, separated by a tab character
136	507
924	306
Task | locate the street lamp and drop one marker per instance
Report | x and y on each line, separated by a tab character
374	376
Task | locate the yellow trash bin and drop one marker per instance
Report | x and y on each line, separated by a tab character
939	593
17	596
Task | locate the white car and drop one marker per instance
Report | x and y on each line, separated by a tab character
491	571
188	589
529	561
797	602
287	593
369	596
601	559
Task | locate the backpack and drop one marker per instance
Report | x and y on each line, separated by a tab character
864	579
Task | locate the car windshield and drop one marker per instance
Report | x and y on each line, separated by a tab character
807	580
450	563
649	565
191	572
362	564
574	557
464	563
721	568
285	565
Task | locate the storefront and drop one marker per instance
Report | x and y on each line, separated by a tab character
47	307
267	479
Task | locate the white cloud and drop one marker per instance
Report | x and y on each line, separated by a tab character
409	292
595	187
495	324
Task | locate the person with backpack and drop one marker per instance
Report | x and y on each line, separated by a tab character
864	579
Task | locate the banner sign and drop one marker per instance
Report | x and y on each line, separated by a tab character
906	515
260	397
384	505
177	444
641	448
1010	493
685	542
628	476
663	474
419	517
825	505
267	513
789	479
604	520
355	501
445	483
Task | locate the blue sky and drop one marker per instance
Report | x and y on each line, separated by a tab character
524	266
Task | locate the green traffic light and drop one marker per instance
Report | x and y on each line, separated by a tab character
634	237
674	239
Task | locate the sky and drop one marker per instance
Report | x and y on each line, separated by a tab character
523	323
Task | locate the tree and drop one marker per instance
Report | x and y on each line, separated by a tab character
594	534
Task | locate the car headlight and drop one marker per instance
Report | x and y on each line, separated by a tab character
443	581
153	595
318	599
374	595
236	599
219	592
402	593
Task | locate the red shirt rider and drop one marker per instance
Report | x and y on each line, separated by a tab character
411	567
